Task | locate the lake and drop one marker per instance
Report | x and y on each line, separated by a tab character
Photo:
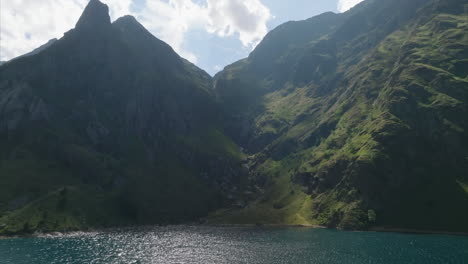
203	244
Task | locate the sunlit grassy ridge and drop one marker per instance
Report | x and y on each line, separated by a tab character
363	124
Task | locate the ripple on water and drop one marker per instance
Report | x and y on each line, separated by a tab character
201	244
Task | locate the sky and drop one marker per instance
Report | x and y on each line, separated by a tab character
210	33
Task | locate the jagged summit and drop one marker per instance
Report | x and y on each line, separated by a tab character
117	112
126	19
95	16
141	39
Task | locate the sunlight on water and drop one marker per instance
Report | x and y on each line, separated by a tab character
192	244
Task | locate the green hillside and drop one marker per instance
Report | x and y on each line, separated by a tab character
356	119
351	120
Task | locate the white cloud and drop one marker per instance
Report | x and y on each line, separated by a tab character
345	5
42	20
248	18
217	68
27	24
170	20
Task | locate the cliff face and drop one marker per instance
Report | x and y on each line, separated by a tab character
356	119
109	126
345	120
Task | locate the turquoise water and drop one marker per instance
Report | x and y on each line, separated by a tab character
195	244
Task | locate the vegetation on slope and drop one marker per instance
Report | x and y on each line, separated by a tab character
345	120
364	123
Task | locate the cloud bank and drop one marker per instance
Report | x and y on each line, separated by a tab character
27	24
345	5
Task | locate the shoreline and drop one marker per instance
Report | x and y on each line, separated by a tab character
266	225
378	229
382	229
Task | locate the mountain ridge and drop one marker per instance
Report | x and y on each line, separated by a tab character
354	121
107	127
327	118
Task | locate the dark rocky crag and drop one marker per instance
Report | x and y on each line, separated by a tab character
109	126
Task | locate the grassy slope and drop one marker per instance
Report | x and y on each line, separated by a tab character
408	92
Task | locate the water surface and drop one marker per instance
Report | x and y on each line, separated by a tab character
201	244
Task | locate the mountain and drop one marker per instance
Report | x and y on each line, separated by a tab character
34	52
40	49
108	126
355	120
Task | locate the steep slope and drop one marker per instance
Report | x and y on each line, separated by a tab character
35	51
109	126
357	119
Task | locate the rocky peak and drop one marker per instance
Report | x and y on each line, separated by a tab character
127	20
95	16
129	23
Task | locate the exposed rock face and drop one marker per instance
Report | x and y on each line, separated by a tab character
115	116
95	17
19	106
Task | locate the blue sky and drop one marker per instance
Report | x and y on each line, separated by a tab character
210	33
213	52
